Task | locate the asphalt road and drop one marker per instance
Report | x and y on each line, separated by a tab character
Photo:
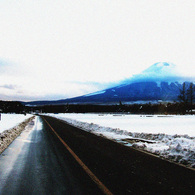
43	165
37	163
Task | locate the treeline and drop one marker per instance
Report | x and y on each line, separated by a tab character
166	108
187	97
12	107
161	108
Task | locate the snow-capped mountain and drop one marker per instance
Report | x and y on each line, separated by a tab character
160	82
158	72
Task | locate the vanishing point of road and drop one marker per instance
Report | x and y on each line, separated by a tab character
56	158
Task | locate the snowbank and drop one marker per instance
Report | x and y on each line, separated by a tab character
11	120
7	136
176	147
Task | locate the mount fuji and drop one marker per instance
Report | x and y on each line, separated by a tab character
160	82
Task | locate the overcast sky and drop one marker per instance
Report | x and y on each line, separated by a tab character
65	48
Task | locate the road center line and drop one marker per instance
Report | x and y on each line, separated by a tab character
104	189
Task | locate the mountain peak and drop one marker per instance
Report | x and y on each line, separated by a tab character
159	71
161	68
160	64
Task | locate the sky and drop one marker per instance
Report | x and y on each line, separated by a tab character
52	50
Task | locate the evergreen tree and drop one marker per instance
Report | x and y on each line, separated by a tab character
183	98
191	95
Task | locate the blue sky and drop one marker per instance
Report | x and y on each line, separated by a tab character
64	48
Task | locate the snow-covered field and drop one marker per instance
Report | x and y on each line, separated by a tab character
10	120
169	136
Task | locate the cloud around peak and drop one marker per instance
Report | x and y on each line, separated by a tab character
160	71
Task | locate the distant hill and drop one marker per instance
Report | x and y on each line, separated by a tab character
160	82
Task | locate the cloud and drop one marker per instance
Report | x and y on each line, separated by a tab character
3	63
67	48
11	87
4	66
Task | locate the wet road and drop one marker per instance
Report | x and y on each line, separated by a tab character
36	163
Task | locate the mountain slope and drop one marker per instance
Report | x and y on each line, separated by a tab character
160	81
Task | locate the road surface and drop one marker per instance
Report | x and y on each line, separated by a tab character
41	164
36	163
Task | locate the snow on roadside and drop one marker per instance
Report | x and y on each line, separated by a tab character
11	120
177	148
16	126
